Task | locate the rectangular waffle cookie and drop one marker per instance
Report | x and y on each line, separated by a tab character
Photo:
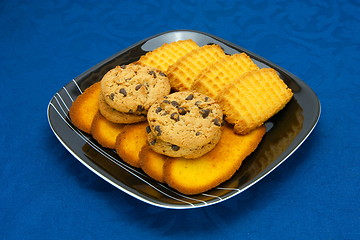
253	98
184	71
167	54
213	79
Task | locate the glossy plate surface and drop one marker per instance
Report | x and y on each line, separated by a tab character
286	131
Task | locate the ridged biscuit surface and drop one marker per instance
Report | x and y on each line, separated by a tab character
165	55
253	98
214	78
184	71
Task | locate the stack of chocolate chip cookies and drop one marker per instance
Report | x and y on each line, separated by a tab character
128	91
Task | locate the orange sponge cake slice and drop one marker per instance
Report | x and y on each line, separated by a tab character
152	163
85	107
253	98
130	142
184	71
214	78
194	176
165	55
104	131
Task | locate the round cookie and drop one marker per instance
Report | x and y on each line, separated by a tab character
115	116
188	120
134	88
173	150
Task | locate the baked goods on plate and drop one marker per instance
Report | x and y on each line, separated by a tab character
142	184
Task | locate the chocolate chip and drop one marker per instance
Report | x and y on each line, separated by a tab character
111	96
153	142
217	122
162	74
204	112
175	103
138	87
182	111
166	101
123	92
123	66
207	99
175	147
152	73
158	109
140	108
198	133
175	116
148	129
197	103
190	97
158	130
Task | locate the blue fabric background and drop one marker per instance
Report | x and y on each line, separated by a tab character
47	194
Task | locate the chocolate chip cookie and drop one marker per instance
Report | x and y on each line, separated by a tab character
134	88
115	116
184	124
173	150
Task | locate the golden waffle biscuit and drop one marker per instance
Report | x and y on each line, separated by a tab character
104	131
278	139
184	71
213	78
165	55
84	108
130	142
193	176
253	98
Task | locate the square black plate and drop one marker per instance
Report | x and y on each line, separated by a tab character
286	131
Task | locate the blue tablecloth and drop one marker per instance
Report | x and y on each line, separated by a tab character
47	194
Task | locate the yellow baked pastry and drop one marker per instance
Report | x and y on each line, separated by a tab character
104	131
130	141
194	176
152	163
84	108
